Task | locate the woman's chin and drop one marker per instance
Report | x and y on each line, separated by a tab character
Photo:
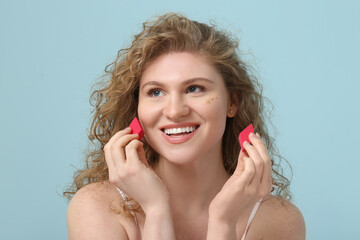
180	159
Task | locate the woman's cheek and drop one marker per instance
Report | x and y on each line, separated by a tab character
211	99
148	113
214	106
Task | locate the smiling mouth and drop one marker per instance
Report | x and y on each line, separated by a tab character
180	131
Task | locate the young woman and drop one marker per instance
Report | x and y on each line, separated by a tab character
187	178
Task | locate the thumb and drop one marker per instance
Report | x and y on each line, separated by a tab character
141	154
240	164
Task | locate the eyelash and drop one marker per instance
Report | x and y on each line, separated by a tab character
151	91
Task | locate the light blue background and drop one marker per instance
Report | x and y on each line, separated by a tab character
305	52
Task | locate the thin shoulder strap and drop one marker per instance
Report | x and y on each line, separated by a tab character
252	215
123	195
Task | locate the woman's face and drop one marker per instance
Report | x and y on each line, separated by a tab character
183	104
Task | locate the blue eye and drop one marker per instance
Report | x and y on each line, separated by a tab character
194	89
155	93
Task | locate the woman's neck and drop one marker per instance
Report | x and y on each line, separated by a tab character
193	185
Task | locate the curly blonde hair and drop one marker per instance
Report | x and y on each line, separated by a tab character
115	100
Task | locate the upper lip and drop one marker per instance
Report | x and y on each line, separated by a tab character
180	125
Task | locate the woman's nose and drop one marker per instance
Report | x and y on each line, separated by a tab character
176	108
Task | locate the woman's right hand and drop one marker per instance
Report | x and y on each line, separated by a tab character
130	171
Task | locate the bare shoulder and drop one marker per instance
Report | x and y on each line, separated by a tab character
279	219
89	214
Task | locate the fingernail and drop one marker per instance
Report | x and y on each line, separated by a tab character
246	143
257	134
252	134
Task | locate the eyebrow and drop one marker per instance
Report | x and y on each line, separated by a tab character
189	81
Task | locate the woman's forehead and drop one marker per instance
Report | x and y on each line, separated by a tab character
179	66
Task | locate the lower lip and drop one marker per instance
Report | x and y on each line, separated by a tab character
178	139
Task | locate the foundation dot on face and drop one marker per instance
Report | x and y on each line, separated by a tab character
212	99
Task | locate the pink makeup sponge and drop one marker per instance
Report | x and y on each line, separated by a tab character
136	128
244	136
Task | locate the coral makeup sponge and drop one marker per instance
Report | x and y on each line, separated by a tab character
136	128
244	136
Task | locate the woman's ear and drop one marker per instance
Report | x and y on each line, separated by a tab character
233	105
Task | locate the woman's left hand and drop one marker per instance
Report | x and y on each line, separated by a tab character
250	182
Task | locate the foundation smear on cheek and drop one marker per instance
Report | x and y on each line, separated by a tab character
212	99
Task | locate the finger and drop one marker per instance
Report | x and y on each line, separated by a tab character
240	164
118	135
131	151
258	161
109	161
266	179
249	171
259	144
117	149
109	147
111	165
142	157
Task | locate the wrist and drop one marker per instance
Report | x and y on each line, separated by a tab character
159	223
159	210
221	218
222	222
221	229
156	204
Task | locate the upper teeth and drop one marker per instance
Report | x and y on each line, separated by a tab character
179	130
